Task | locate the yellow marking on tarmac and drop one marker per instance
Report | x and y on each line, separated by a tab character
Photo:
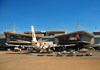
14	59
33	54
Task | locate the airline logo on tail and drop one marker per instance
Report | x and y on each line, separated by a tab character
33	35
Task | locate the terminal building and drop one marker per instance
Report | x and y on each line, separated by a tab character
47	36
59	38
74	40
12	39
96	39
80	39
55	38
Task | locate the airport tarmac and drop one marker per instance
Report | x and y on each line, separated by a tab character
10	60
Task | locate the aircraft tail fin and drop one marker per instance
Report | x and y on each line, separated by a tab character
33	35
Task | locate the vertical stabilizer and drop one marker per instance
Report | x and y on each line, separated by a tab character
33	35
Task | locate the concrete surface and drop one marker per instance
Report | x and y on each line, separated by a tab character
10	60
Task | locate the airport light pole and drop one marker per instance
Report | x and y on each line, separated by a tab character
48	30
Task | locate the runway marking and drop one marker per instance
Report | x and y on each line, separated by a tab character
14	59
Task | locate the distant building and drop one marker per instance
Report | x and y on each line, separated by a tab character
2	40
96	40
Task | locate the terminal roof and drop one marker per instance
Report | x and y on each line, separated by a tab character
14	33
77	32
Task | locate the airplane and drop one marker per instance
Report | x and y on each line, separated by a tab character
35	44
38	46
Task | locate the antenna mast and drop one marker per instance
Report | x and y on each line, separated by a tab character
6	30
78	26
95	28
14	29
65	29
84	28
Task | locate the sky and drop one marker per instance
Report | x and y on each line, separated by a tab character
47	15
